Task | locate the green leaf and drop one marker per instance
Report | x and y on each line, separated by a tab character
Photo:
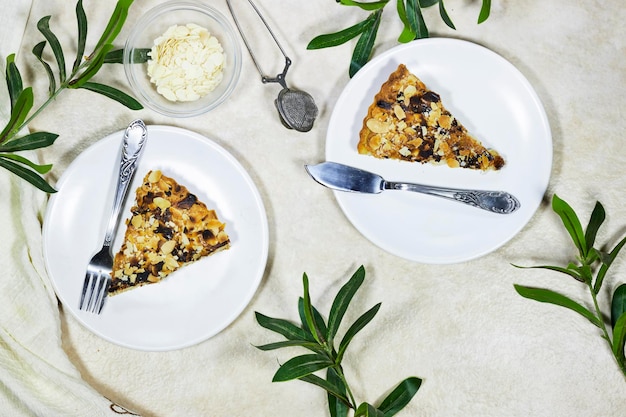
549	296
44	27
329	387
415	19
368	410
31	141
365	44
619	338
91	70
356	327
26	174
595	221
23	104
283	327
427	3
301	366
14	79
333	39
38	52
308	313
484	11
400	396
336	407
140	56
291	343
317	317
444	15
570	270
606	264
407	35
572	224
113	93
369	6
342	301
114	26
81	20
618	303
42	169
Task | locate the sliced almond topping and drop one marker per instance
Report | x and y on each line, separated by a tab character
161	203
377	126
415	143
154	176
445	121
409	91
374	141
136	221
168	247
397	110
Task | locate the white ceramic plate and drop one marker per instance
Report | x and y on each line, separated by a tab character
497	105
195	302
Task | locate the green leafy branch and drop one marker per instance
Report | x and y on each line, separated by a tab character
410	14
80	75
590	269
319	337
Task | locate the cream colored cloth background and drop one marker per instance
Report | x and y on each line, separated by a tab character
481	349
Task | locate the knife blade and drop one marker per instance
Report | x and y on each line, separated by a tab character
346	178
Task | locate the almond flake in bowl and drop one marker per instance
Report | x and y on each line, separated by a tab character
191	33
186	63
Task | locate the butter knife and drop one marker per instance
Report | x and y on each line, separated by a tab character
346	178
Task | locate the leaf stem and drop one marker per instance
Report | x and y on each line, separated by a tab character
341	375
605	332
64	85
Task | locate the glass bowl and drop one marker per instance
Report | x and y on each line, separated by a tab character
152	25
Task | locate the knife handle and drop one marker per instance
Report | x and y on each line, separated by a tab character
499	202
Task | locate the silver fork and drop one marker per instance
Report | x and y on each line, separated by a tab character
98	275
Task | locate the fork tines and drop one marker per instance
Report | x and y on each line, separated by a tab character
95	289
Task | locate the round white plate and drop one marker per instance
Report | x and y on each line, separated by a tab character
195	302
497	105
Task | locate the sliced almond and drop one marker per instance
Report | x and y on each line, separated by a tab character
399	112
161	203
154	176
409	91
168	247
136	221
404	151
377	126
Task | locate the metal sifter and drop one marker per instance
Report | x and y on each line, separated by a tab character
296	108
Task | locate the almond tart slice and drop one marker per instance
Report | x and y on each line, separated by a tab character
408	122
169	228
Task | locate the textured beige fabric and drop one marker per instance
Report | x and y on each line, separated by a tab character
481	349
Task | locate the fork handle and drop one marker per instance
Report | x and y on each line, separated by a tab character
134	139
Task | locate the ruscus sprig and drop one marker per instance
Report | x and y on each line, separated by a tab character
589	268
410	14
82	71
318	336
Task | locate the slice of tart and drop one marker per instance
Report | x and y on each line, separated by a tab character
408	122
169	228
